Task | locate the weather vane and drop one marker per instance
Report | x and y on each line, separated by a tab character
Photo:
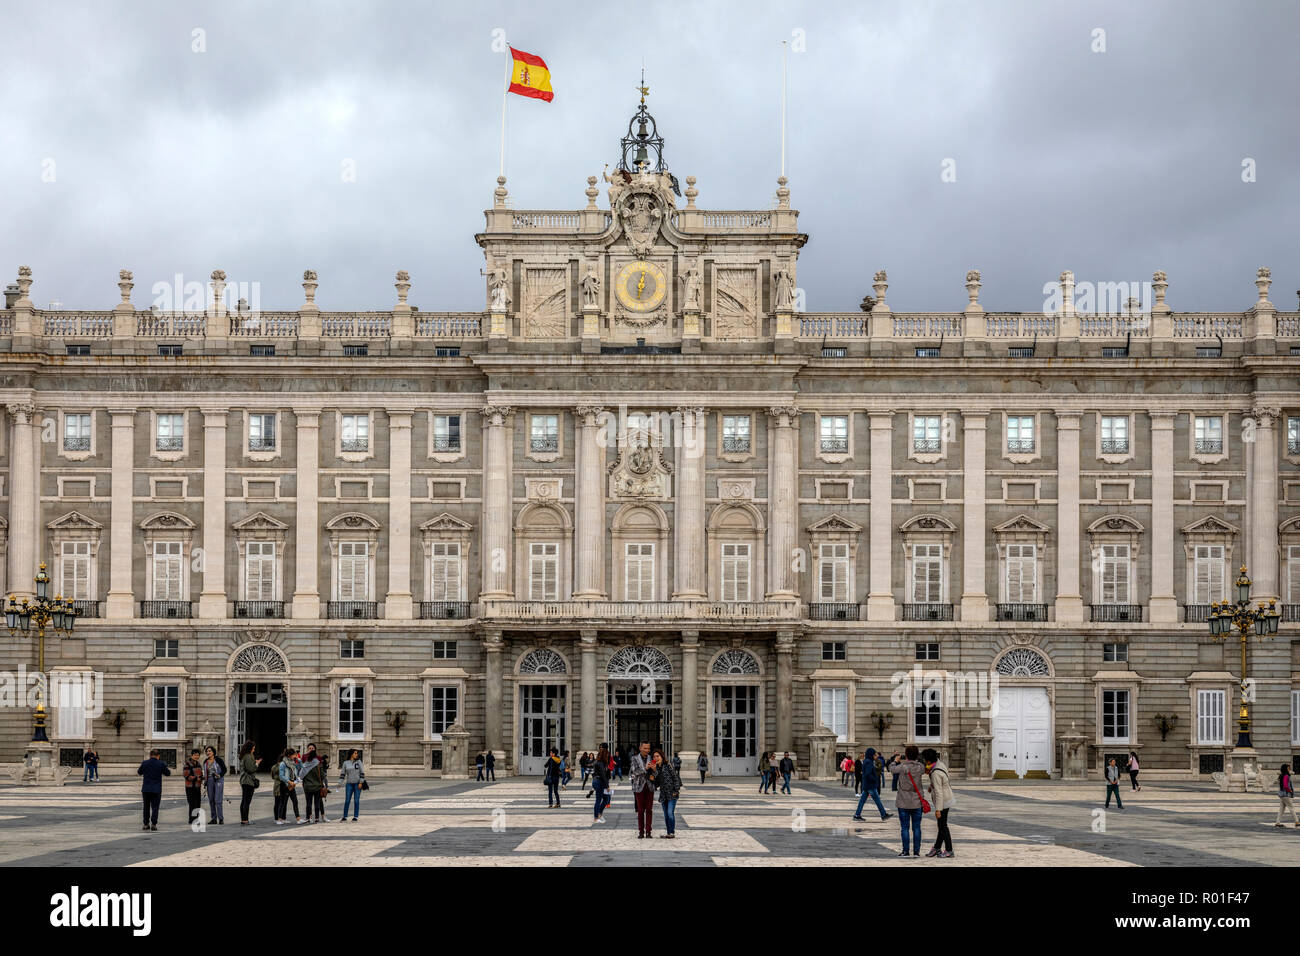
643	88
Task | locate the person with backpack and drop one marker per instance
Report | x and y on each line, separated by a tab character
669	785
908	801
941	798
214	780
551	774
312	776
1285	795
871	779
702	765
192	771
248	782
352	775
489	765
600	782
584	764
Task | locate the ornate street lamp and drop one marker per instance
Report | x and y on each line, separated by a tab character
1224	618
44	612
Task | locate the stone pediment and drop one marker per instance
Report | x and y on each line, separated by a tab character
72	521
927	522
259	521
446	522
1290	526
834	523
1115	524
352	521
1022	523
167	521
1210	525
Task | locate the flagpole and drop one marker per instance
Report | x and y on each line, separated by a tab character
783	87
505	93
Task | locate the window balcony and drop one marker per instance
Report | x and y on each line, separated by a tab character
259	609
262	444
86	608
925	446
1290	613
822	611
359	610
1196	613
927	612
444	610
166	609
1022	612
1114	446
168	443
76	444
445	443
835	446
544	444
1020	446
1116	613
735	445
1209	446
354	444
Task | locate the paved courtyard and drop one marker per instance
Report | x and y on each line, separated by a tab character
409	822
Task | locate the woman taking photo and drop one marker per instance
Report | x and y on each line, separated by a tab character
248	781
669	784
940	799
214	781
908	799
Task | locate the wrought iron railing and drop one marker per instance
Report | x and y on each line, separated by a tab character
86	608
927	612
445	443
169	443
352	609
835	445
166	609
264	443
735	444
1116	613
925	445
1020	446
544	444
436	610
354	444
1196	613
76	444
1022	612
1114	446
822	611
259	609
1209	446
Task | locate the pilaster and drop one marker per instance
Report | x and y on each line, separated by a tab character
399	603
1069	601
212	599
1163	603
306	595
974	597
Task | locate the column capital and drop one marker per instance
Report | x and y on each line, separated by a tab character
24	413
1266	415
690	641
783	416
307	417
785	642
1162	420
1068	418
975	419
400	417
692	412
881	421
215	417
493	642
496	415
589	638
588	415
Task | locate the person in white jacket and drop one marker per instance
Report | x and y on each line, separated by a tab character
941	800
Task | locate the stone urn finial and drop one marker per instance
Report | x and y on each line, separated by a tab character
1159	287
24	281
973	287
691	192
782	193
1067	292
880	284
309	284
218	285
1263	280
125	285
592	192
499	193
403	286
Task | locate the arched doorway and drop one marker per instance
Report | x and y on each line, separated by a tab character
543	702
639	699
257	691
735	713
1022	720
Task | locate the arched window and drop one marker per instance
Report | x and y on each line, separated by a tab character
635	663
542	661
1023	662
735	662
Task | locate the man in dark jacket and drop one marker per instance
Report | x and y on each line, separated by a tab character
857	775
153	770
193	773
490	765
787	768
870	784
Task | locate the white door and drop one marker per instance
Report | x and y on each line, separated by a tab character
1022	733
735	730
543	716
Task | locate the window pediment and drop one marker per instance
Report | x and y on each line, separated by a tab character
260	521
1115	524
73	521
927	524
834	524
1211	526
1022	524
352	521
167	521
446	523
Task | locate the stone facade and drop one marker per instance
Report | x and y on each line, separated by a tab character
641	495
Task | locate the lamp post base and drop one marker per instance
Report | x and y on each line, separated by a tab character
1243	768
40	768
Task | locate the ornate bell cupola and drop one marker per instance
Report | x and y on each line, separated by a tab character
643	147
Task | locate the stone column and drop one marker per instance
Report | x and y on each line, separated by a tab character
496	502
24	501
306	594
782	502
589	495
690	748
785	647
880	598
1163	603
493	645
589	733
212	599
1264	555
974	596
689	568
398	603
1069	600
121	536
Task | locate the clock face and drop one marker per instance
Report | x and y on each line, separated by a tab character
640	286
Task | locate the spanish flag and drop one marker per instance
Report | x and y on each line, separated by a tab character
529	76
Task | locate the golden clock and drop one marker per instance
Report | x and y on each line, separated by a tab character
640	286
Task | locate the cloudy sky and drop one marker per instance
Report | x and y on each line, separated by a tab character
127	147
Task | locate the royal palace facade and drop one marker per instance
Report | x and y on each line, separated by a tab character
642	495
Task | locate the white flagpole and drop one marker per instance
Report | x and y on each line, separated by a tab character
505	92
783	86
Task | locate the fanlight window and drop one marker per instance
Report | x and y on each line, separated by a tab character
735	661
259	659
1022	662
542	661
636	663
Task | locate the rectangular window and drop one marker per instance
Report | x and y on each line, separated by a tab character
1114	435
259	571
261	351
1293	574
928	651
446	433
352	711
1022	574
1210	716
832	650
76	432
928	722
74	570
356	433
355	351
639	570
261	431
171	433
166	647
735	433
835	711
1115	574
1293	435
1114	653
351	649
543	572
444	707
166	710
925	433
835	434
354	571
833	573
444	650
444	571
78	350
1114	716
1295	716
1207	585
544	433
1209	435
168	583
927	574
446	351
1020	434
735	572
168	350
